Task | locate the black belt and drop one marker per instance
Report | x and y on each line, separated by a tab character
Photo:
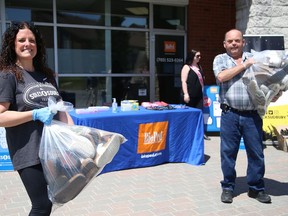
225	108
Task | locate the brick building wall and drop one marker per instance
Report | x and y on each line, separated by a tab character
206	28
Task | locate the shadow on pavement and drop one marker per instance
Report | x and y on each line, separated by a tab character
273	187
206	158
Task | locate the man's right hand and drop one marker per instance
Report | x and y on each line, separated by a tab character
248	63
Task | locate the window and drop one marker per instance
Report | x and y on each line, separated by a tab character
81	50
29	10
169	17
130	51
47	34
81	12
104	46
85	91
129	14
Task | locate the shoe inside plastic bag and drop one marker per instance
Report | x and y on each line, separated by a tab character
267	78
72	155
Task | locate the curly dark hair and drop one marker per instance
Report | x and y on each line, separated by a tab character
8	55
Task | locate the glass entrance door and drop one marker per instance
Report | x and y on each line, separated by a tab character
169	59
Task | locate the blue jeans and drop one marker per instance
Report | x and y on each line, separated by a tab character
234	125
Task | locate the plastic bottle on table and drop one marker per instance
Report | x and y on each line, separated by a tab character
114	106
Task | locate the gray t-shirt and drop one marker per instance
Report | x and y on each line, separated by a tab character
31	93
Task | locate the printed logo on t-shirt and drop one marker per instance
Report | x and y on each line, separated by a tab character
37	94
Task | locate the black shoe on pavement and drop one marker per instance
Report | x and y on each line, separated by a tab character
261	196
227	196
206	137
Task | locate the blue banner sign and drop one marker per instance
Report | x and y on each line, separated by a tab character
5	160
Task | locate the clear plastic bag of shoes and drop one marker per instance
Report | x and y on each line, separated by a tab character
267	77
72	155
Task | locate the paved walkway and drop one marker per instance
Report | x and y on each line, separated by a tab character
174	189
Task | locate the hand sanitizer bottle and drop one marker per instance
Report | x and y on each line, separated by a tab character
114	106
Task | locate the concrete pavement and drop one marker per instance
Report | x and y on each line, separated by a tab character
173	189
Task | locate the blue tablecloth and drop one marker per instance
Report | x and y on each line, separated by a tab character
183	136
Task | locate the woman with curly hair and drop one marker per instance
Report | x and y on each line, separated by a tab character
26	82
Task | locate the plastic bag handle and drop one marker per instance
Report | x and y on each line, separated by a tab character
55	106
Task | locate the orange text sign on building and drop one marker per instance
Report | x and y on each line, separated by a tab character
152	137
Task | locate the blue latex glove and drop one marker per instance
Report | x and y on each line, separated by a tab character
44	115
